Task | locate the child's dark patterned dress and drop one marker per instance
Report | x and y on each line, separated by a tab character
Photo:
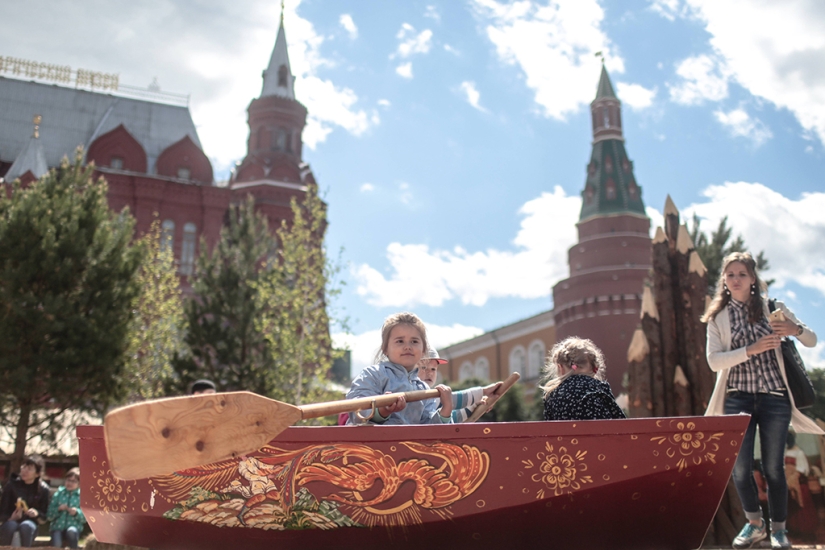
581	397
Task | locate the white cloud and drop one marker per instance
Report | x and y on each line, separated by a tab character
702	78
636	96
472	95
552	43
432	277
669	9
384	103
775	50
411	43
450	49
791	232
331	106
405	70
365	345
349	25
432	13
406	195
740	124
367	187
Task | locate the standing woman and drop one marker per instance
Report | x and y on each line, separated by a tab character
744	349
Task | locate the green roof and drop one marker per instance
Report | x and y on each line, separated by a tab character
611	187
605	87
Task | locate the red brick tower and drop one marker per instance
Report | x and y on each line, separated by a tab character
273	171
601	299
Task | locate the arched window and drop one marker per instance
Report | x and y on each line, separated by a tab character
167	235
261	137
535	359
187	254
465	372
283	73
289	141
518	360
482	368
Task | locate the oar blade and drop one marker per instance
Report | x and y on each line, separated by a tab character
163	436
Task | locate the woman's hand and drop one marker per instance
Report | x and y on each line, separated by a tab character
32	513
399	405
785	328
766	343
17	515
446	395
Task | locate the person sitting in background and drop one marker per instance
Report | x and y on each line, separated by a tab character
66	518
464	401
202	387
24	503
576	389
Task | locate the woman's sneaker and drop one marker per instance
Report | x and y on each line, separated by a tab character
750	535
779	539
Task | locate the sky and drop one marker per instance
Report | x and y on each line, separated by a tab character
450	137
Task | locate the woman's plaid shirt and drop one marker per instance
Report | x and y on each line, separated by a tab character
760	373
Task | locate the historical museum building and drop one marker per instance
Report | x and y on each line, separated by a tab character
601	299
146	146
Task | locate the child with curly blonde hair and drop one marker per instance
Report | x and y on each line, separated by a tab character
576	388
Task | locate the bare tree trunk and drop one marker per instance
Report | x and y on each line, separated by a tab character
20	438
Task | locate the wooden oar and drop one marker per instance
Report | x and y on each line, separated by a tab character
166	435
491	400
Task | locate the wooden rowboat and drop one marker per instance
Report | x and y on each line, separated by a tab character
638	483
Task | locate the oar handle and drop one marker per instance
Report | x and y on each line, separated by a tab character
317	410
484	406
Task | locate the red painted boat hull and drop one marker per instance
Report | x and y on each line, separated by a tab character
639	483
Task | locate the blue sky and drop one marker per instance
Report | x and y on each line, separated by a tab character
450	137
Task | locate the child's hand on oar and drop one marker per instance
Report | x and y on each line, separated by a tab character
399	405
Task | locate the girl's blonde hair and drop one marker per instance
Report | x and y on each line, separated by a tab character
404	318
572	351
722	297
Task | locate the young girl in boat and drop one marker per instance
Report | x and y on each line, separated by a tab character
743	348
576	389
403	342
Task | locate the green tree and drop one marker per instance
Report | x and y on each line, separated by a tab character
713	248
223	339
67	285
294	296
157	329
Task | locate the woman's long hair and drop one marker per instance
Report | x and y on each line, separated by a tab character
572	351
722	297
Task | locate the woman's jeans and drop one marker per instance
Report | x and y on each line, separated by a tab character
27	530
772	414
70	534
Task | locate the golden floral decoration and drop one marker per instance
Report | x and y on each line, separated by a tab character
560	471
690	446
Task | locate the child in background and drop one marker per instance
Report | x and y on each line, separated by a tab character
403	341
464	401
576	389
64	512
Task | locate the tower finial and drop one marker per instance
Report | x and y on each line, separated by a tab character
282	12
600	55
36	120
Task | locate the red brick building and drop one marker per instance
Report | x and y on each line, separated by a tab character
147	148
601	299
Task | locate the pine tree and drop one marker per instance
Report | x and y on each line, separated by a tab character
67	285
294	295
157	329
223	342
